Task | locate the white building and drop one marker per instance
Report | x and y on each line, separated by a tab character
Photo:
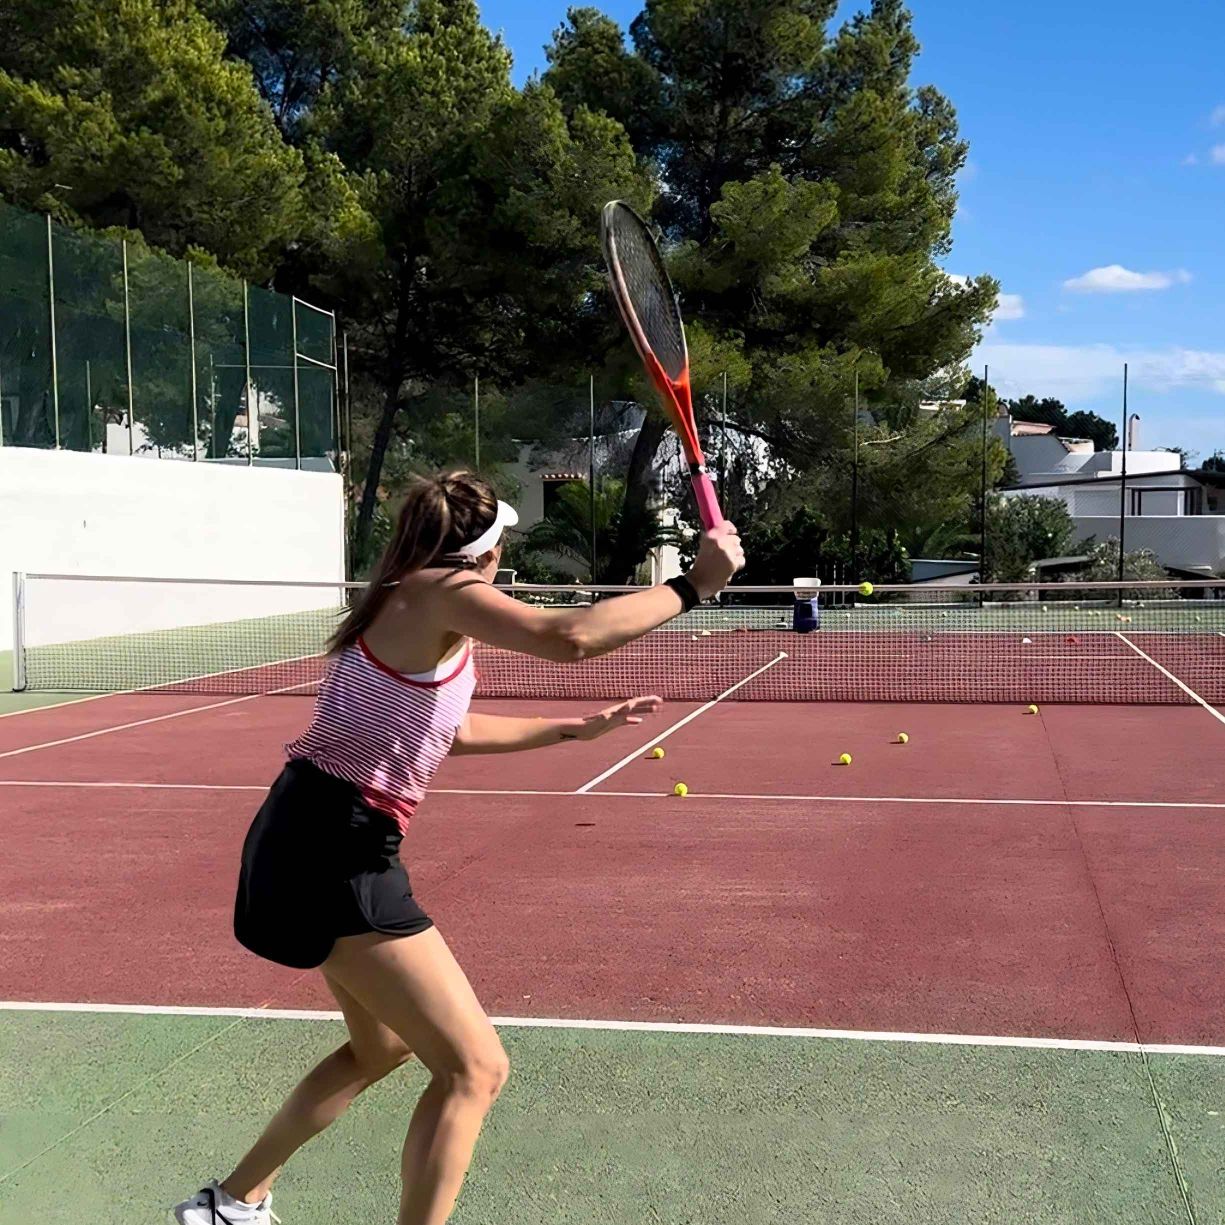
1176	513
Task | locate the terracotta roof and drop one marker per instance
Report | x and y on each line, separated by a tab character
1021	428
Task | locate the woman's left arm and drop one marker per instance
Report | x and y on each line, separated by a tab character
503	734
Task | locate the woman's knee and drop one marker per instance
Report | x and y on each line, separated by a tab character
478	1074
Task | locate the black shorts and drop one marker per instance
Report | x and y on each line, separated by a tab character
319	863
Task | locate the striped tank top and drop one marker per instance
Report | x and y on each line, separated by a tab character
384	731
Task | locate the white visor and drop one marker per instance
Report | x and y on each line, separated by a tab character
506	517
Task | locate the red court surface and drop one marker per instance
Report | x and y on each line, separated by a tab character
898	894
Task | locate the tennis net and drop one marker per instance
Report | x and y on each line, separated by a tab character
1098	643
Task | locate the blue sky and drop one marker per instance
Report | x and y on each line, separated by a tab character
1095	191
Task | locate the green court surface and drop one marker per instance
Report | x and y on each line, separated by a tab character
126	1113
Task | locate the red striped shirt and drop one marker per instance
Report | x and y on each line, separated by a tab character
384	731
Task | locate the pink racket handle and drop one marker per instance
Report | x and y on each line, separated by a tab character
708	502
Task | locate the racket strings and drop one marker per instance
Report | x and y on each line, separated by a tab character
648	290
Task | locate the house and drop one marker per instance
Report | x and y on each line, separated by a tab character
1177	513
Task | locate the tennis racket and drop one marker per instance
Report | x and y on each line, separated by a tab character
647	302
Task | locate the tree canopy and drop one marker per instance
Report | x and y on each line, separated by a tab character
375	156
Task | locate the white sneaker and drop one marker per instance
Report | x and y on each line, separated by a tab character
212	1206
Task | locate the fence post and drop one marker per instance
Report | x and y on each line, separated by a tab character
855	478
252	427
982	525
127	345
591	471
55	370
476	419
191	332
297	408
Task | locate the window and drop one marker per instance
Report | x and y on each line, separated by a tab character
552	483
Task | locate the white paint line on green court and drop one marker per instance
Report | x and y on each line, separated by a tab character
649	1027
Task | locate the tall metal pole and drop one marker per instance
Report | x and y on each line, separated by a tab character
591	471
982	525
723	446
252	405
195	407
55	371
297	405
127	344
476	416
855	481
1123	487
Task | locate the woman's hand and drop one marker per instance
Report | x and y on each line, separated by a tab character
623	714
720	555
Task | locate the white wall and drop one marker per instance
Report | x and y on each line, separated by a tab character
69	513
1183	541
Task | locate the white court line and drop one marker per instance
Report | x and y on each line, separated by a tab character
676	727
646	1027
32	710
123	727
1212	710
738	797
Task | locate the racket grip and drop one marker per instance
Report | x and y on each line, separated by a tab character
707	499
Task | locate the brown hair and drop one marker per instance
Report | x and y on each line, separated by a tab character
440	515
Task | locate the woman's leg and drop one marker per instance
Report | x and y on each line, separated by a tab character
414	986
321	1097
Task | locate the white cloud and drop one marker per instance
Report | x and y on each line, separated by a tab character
1073	372
1011	306
1114	278
1217	118
1218	155
1190	160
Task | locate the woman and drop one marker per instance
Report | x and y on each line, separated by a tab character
321	883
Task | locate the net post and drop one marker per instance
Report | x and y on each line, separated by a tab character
19	614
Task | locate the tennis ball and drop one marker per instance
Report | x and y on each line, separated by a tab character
866	588
705	633
680	789
1032	709
657	752
1026	642
902	738
845	759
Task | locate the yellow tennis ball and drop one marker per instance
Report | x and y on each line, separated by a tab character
902	738
1032	709
657	752
866	588
845	759
680	789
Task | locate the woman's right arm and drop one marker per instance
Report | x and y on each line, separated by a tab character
481	611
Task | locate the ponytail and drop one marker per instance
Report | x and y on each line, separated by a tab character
439	516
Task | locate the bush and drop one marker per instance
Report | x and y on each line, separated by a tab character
1020	531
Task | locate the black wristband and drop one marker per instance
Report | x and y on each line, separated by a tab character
686	590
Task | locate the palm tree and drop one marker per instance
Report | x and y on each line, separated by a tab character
566	529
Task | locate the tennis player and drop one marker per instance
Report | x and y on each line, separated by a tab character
321	883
